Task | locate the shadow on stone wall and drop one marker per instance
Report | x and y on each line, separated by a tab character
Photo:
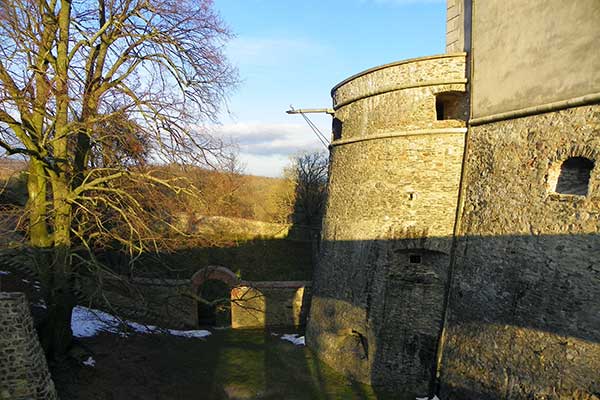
157	288
521	315
257	259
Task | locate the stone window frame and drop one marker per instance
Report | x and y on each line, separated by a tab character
556	163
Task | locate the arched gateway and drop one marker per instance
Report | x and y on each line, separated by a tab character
213	283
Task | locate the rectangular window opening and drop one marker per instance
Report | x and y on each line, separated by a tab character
415	259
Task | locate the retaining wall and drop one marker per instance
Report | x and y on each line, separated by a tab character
167	303
257	305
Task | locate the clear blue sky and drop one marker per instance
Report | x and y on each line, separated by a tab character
294	52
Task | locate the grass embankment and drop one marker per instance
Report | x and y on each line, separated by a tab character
240	244
255	260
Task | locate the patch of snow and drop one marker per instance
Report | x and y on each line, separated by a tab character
427	398
294	338
4	273
25	281
189	334
87	322
90	362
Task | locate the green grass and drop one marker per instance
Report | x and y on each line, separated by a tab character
230	364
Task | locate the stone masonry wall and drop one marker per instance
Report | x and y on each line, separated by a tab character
398	96
257	305
524	319
457	39
393	190
168	303
23	370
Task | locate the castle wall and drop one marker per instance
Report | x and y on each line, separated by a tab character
264	304
524	320
393	188
534	52
458	35
522	273
23	370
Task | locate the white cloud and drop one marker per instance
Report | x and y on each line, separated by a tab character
269	165
266	148
269	138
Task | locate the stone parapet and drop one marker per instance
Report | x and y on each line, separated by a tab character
168	303
401	96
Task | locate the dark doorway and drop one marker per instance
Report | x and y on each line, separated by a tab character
413	308
218	312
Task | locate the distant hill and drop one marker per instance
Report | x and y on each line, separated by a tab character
230	205
242	196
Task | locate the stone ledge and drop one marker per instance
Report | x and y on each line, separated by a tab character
540	109
14	296
416	132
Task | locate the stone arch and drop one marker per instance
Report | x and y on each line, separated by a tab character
214	272
574	176
214	284
407	238
577	151
571	169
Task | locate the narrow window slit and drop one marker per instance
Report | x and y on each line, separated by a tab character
415	259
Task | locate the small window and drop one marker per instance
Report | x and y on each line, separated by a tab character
337	129
415	259
574	176
450	105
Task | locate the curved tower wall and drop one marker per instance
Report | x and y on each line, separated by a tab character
395	170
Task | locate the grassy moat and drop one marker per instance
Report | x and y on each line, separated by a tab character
229	364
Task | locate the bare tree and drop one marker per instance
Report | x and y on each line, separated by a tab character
90	90
309	172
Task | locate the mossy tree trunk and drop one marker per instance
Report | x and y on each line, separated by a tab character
55	333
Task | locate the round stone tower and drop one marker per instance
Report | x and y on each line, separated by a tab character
396	160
